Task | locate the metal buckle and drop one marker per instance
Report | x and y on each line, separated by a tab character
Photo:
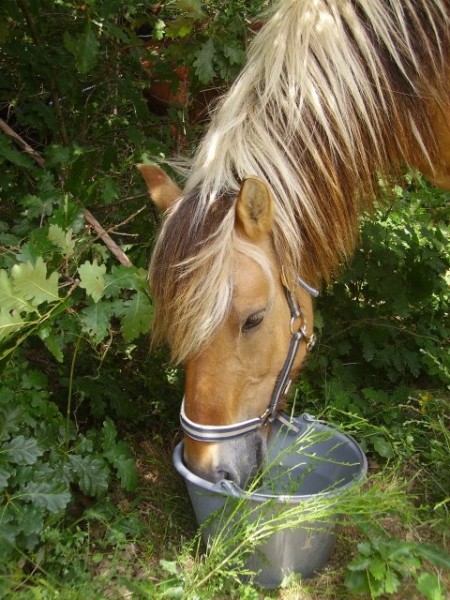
267	417
311	342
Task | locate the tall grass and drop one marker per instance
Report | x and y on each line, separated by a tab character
217	560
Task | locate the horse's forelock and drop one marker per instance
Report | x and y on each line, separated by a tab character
190	273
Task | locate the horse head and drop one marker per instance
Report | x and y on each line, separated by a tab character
230	379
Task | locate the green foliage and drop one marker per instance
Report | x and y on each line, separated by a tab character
76	372
44	460
208	37
386	319
383	564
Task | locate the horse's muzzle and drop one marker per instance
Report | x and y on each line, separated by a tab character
237	460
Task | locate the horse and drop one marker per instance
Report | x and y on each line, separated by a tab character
334	95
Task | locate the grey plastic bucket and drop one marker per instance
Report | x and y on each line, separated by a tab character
310	460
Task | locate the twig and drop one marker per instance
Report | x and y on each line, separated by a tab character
122	201
128	219
106	238
28	149
99	230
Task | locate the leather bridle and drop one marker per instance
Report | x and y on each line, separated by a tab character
223	433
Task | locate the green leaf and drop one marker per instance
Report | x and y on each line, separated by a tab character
95	320
170	566
31	519
8	152
9	418
53	342
391	582
30	281
53	496
92	279
92	474
4	476
119	455
109	191
179	27
377	568
204	63
234	54
436	556
85	49
21	450
174	591
62	239
9	298
109	433
383	447
126	470
122	277
191	7
429	585
9	323
357	582
137	317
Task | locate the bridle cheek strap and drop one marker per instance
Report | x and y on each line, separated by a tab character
223	433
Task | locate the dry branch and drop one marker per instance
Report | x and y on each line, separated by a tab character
99	230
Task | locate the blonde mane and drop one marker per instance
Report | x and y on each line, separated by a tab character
334	92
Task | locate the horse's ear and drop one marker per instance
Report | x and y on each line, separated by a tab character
254	208
163	191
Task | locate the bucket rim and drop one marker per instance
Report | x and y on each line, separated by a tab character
226	487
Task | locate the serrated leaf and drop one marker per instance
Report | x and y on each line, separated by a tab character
92	279
84	48
234	54
170	566
53	342
54	497
126	470
9	299
190	7
429	585
122	277
92	474
22	450
95	320
174	591
4	476
436	556
31	282
62	239
9	419
383	447
31	519
9	324
204	63
8	534
391	582
179	27
109	191
109	433
377	568
119	455
137	317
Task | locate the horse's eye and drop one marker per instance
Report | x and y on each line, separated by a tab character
253	320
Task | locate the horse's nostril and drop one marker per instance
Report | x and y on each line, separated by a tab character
224	473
